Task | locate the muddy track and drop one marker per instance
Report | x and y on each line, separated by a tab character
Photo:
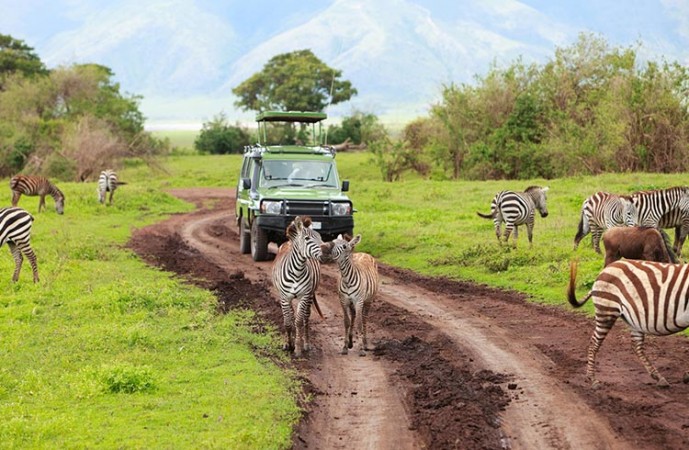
455	365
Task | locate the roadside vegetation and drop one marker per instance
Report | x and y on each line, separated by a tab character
107	352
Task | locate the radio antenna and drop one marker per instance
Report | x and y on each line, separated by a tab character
332	87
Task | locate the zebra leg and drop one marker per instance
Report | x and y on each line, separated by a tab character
25	247
603	326
307	317
347	326
41	203
112	191
508	232
300	326
498	228
638	343
529	233
18	258
361	327
596	233
15	197
288	318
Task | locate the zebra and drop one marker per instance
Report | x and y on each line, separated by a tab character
32	185
107	182
295	274
359	283
517	208
15	230
601	211
679	220
664	208
650	296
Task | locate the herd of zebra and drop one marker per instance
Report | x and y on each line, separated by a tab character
651	297
296	275
16	223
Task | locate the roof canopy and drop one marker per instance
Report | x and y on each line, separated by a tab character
291	116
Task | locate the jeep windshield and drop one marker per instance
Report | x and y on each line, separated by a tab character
279	173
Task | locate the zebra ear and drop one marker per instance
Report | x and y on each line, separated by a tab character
355	240
545	189
339	236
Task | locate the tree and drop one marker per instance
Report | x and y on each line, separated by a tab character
296	81
218	137
17	57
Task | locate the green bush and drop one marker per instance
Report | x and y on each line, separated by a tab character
218	137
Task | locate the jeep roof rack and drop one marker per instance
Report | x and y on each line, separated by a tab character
291	116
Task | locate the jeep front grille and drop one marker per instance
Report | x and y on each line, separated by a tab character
307	208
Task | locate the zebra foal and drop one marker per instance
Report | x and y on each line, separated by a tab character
359	283
517	208
295	274
15	230
107	182
602	211
33	185
650	296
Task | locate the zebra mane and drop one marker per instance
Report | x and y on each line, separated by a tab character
531	188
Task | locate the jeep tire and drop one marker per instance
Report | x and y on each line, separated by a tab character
244	237
259	243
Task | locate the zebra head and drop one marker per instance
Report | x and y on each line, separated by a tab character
341	248
630	216
305	241
60	204
537	193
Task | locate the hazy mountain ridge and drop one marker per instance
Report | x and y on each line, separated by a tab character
185	56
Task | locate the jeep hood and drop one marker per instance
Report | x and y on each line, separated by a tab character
295	193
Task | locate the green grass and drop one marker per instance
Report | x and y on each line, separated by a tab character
181	140
107	352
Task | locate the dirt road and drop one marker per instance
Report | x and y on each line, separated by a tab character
455	365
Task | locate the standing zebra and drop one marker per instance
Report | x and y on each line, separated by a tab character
295	275
15	230
679	220
649	296
32	185
359	283
517	208
107	182
602	211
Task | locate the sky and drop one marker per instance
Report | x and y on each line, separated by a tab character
184	56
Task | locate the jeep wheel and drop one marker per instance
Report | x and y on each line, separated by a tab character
244	237
259	243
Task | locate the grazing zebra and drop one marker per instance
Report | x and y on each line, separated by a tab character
296	273
15	230
601	211
517	208
36	185
359	283
664	208
650	296
107	182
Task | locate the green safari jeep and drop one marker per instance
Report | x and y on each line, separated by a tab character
279	182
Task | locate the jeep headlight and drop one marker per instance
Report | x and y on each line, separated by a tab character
271	207
341	209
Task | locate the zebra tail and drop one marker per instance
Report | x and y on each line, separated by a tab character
571	288
672	256
318	308
485	216
583	229
120	183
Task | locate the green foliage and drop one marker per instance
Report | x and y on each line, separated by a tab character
359	128
218	137
17	57
295	81
590	109
127	379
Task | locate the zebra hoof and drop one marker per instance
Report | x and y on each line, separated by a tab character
662	383
595	385
685	378
362	352
344	351
350	344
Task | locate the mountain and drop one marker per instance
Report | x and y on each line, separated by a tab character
185	56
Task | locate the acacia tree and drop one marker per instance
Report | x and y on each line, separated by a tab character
296	81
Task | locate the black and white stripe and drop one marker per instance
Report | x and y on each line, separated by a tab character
107	182
15	230
36	185
650	296
664	208
517	208
295	276
602	211
359	283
